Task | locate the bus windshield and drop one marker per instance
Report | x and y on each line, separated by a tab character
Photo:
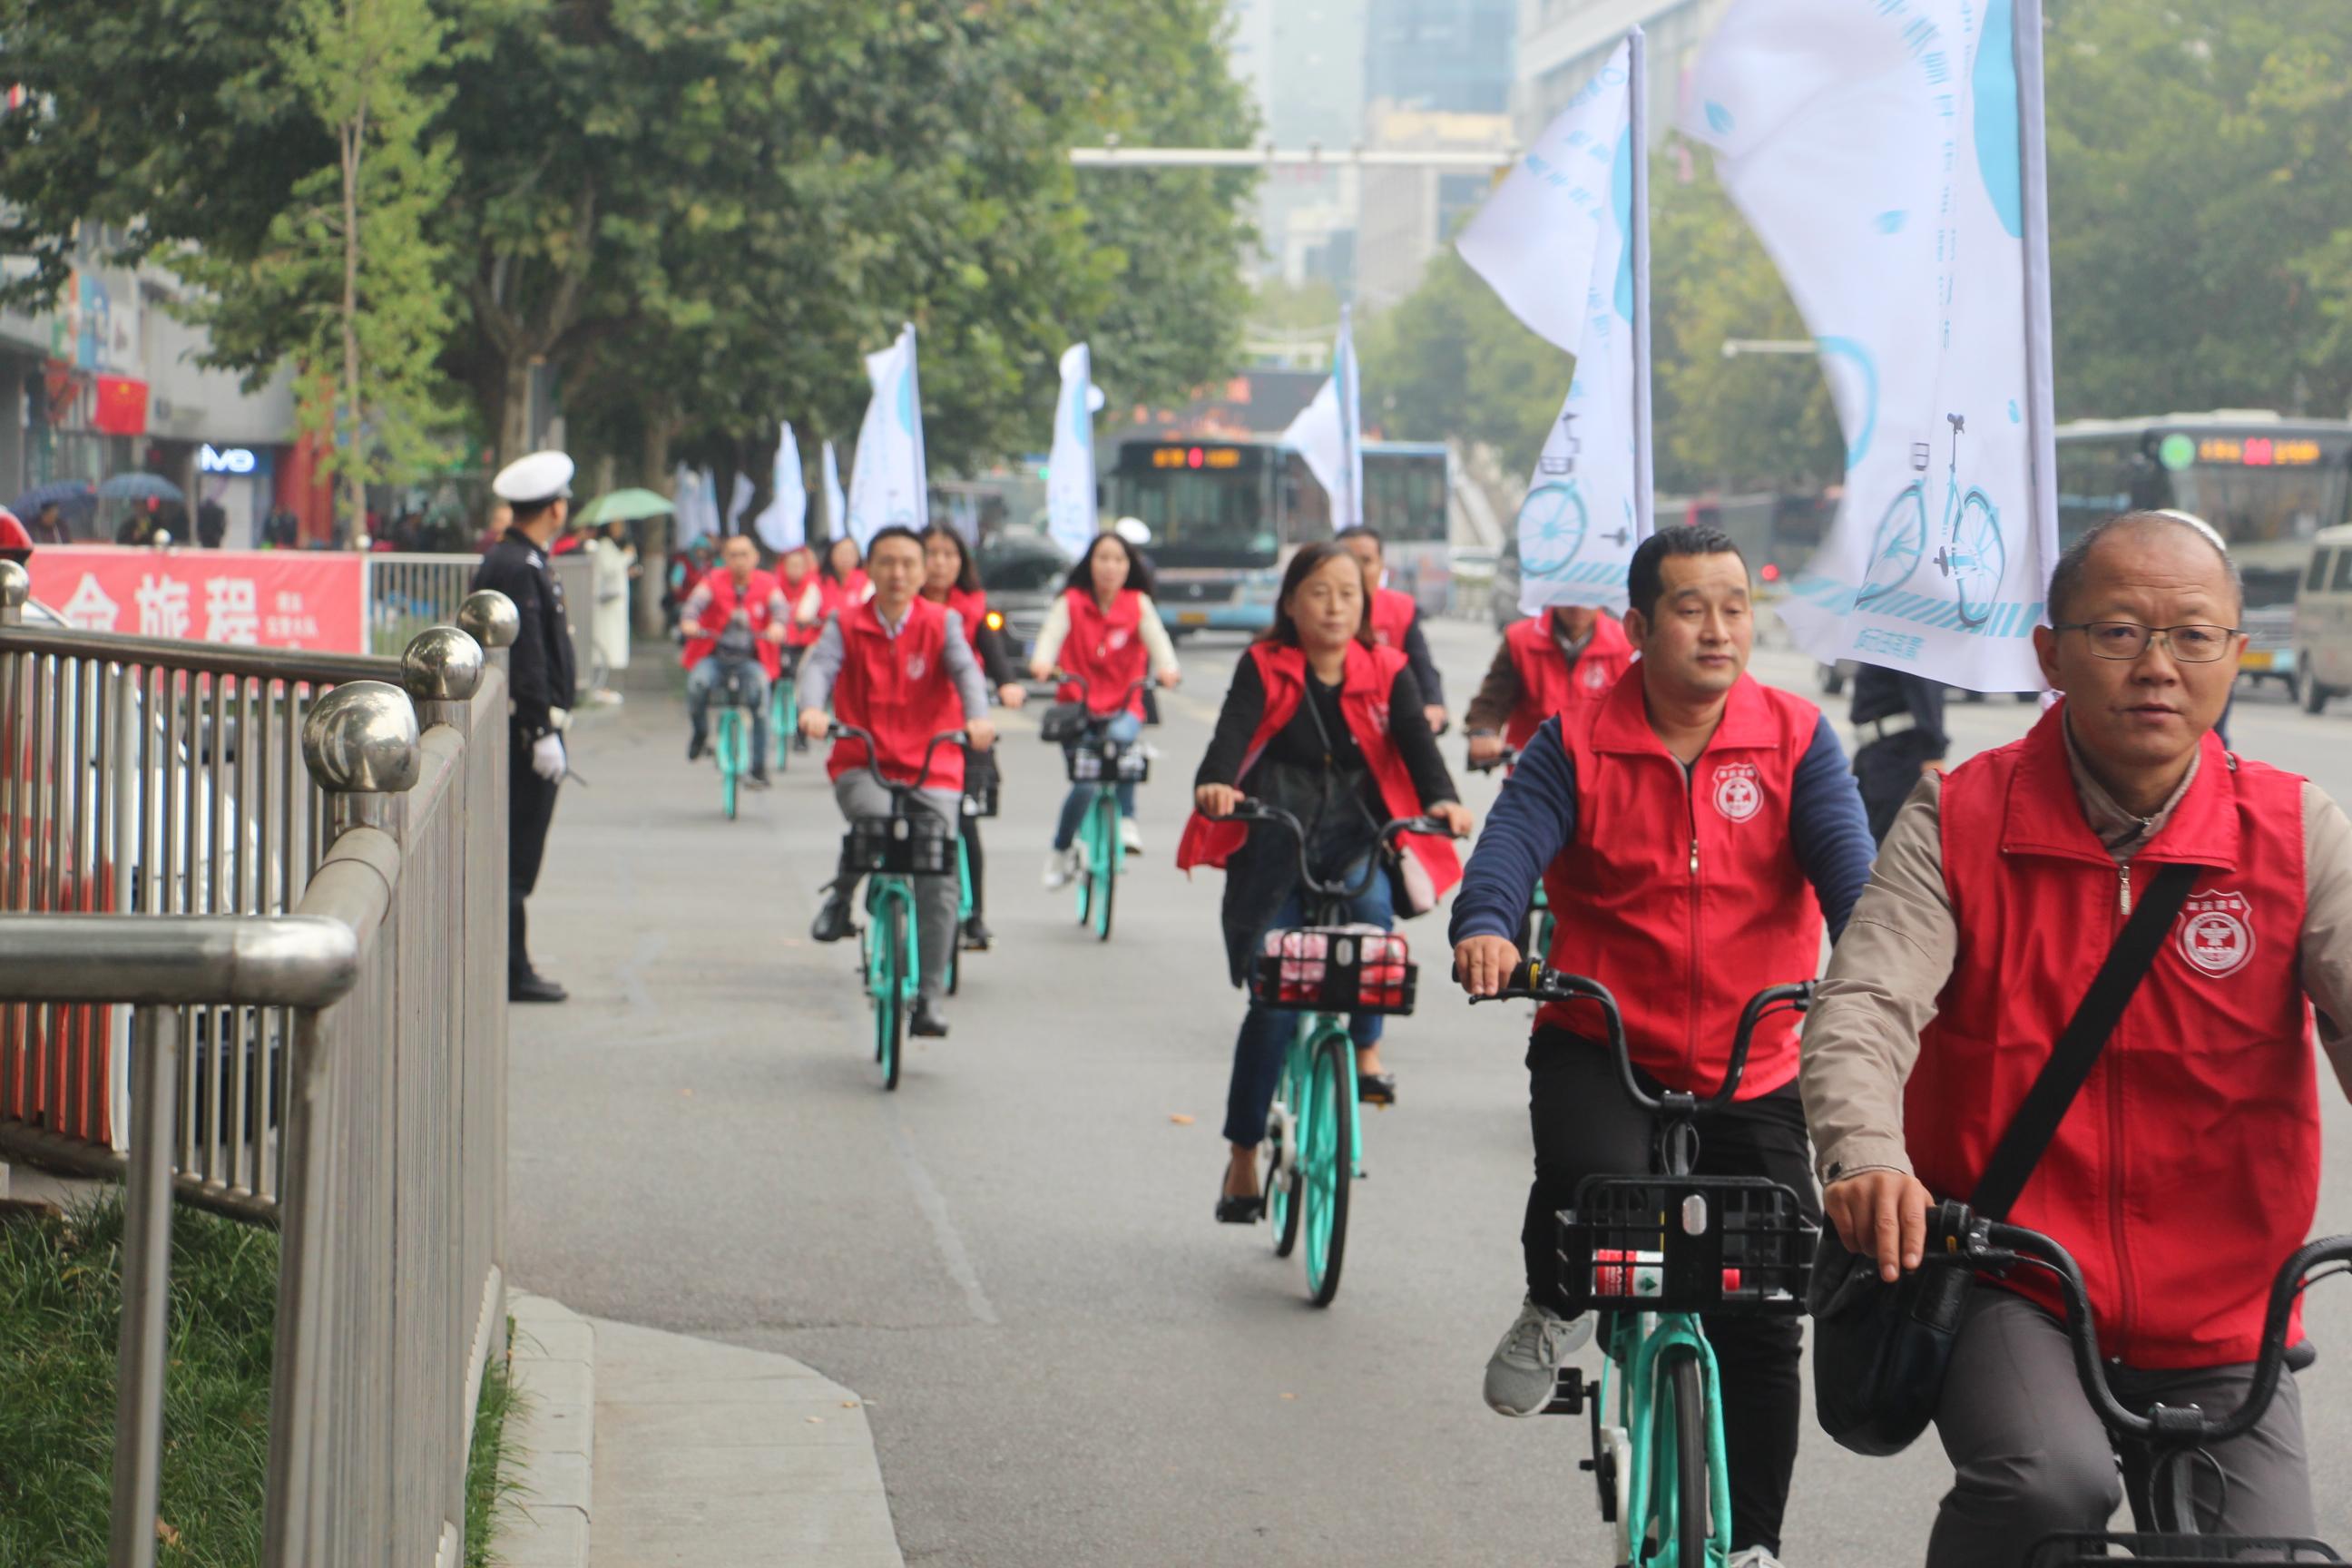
1205	505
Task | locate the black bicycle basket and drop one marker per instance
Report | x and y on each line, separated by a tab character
2091	1551
981	784
1334	969
1107	762
1685	1244
916	845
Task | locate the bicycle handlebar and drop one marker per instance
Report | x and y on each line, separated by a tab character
1248	810
1958	1236
837	731
1509	757
1534	980
1086	691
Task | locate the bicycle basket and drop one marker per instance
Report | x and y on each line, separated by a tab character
981	784
1334	969
980	799
918	844
1062	721
1108	761
1685	1244
2083	1551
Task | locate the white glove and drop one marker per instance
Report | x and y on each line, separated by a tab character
547	757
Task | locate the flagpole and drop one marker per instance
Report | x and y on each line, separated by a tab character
1637	129
2040	399
922	502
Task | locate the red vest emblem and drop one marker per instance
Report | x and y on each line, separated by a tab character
1738	793
1594	674
2214	933
916	666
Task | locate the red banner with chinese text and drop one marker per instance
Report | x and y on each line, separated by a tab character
312	599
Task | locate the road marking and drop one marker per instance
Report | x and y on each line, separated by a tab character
943	1231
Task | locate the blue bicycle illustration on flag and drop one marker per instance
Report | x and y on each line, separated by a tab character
1972	556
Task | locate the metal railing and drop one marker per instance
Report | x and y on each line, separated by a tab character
374	976
406	592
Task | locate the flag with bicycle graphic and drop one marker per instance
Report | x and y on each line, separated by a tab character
1879	151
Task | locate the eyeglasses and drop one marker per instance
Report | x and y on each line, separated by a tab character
2129	640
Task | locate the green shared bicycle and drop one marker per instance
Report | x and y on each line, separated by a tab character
730	737
1325	970
782	708
891	852
1653	1253
1094	760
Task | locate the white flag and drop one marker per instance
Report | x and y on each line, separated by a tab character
740	501
1070	466
706	489
686	493
836	509
1329	433
886	483
782	523
1554	240
1877	152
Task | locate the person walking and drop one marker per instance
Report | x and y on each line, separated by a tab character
540	687
616	571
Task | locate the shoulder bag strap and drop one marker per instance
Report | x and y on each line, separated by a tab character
2127	963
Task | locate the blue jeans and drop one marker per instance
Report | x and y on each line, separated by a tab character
1123	728
699	682
1266	1032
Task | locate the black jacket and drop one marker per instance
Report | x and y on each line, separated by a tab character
542	676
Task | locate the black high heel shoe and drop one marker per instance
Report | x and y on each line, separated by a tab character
1376	1089
1232	1210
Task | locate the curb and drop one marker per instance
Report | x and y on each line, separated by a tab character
553	1365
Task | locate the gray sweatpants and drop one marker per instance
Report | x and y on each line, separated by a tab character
2032	1459
936	898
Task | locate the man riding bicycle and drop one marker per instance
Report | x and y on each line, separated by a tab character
901	668
1570	655
1395	620
2186	1167
1693	829
735	623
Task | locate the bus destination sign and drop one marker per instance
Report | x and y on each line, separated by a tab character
1196	458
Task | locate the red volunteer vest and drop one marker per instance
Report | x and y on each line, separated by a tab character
973	606
1548	685
1106	650
1392	611
722	610
899	688
2187	1167
1364	686
1683	894
795	634
833	597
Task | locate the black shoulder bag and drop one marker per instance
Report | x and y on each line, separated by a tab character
1880	1350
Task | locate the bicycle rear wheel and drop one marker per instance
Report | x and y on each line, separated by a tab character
1107	856
781	715
1326	1165
1684	1502
888	985
1281	1176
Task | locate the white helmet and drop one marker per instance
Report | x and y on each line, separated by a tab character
1133	530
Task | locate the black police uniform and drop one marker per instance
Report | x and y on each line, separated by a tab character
541	676
1898	723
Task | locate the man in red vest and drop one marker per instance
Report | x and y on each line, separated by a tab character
1396	621
901	668
736	618
1568	657
2187	1167
1693	830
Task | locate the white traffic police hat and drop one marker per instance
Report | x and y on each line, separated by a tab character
534	479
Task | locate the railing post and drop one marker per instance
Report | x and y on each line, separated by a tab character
442	669
359	742
493	620
146	1290
15	587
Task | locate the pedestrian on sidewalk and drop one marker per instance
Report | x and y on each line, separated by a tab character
615	568
540	687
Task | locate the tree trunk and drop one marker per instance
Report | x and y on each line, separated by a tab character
514	410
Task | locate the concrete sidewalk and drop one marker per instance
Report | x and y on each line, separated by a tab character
645	1449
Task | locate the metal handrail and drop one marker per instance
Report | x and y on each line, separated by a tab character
204	659
261	960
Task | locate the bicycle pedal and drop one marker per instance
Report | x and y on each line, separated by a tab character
1570	1396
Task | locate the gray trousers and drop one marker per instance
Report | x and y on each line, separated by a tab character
2032	1459
936	898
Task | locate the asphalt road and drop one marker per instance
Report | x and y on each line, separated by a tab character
1012	1259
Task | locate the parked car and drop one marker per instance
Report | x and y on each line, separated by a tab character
1022	574
2322	626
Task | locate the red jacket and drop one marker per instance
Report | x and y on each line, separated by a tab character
795	634
1364	686
1106	650
758	592
833	597
972	604
1391	611
1684	892
899	688
1548	685
2188	1168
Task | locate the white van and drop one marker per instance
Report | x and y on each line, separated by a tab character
2322	621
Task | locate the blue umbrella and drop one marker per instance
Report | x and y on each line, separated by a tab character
139	487
69	494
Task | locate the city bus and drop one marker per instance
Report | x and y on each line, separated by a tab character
1225	515
2268	483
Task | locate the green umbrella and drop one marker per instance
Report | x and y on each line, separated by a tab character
627	506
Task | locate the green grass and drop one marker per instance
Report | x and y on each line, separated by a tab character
491	1482
61	1280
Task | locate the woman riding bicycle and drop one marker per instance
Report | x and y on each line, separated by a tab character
950	579
1332	728
842	584
1105	630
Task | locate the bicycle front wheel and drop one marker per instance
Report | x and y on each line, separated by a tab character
888	985
1685	1503
1108	855
730	749
780	716
1325	1163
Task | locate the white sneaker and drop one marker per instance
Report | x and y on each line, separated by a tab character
1131	836
1061	865
1521	1374
1754	1557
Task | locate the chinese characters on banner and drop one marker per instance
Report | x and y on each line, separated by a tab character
263	599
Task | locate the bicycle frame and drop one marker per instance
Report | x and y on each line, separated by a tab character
1103	854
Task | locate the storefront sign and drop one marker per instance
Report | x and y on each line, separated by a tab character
312	599
211	460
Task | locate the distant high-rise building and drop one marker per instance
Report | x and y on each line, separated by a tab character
1443	56
1304	60
1563	42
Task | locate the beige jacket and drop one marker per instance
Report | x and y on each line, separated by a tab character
1863	1034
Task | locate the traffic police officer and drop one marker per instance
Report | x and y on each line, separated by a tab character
541	686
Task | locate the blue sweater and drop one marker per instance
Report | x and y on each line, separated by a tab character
1535	819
